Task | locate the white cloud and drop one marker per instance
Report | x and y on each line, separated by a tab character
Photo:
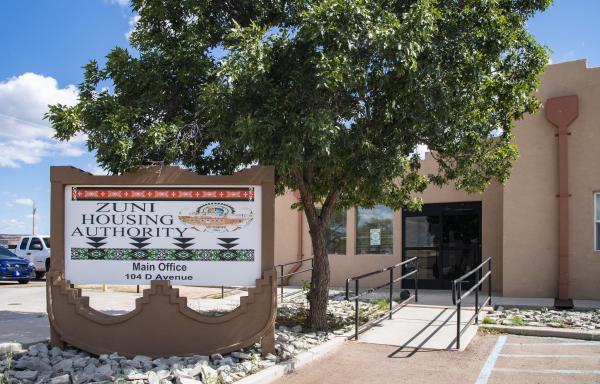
23	201
133	20
122	3
12	226
25	137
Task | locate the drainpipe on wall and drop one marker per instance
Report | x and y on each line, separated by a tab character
299	254
561	112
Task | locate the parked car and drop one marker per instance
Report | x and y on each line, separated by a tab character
16	268
36	249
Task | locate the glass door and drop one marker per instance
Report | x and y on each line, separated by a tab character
447	240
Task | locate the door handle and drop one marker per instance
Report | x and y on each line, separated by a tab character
28	253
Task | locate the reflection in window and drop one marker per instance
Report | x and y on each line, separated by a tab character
374	229
336	233
420	231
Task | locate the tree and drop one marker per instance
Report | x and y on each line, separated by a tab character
336	94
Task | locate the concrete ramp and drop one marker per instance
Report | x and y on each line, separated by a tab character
422	327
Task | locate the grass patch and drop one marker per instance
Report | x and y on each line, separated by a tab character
383	303
517	320
488	320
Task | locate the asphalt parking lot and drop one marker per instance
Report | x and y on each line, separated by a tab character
491	359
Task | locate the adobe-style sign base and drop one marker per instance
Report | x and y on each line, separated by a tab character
161	324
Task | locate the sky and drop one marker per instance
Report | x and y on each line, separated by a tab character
44	44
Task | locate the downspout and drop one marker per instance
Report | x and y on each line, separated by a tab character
561	112
299	254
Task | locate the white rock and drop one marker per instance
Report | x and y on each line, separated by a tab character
187	380
10	348
208	373
25	375
271	357
241	355
153	378
64	366
63	379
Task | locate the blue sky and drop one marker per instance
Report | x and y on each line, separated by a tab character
44	44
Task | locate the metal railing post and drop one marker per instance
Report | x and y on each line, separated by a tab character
356	311
391	289
222	292
281	284
458	305
347	289
477	275
490	282
416	278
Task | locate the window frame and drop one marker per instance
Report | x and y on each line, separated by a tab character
596	222
356	247
328	232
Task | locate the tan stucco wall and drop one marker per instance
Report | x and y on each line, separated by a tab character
520	219
352	264
491	213
530	202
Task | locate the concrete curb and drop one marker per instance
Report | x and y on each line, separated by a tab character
545	332
275	372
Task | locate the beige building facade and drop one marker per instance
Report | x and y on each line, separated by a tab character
519	224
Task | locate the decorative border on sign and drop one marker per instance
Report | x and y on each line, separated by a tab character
129	254
162	194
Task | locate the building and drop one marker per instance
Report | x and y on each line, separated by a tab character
9	240
541	229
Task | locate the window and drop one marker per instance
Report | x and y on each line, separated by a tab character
36	244
24	243
374	229
336	233
47	241
597	220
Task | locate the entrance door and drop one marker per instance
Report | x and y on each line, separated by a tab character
447	240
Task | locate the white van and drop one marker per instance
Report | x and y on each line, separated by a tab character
36	249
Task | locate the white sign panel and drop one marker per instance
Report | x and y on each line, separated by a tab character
208	235
375	236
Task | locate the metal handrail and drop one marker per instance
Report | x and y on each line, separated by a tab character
458	296
282	276
390	283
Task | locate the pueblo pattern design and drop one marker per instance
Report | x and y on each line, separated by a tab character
163	194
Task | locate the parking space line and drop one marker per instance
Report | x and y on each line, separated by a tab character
549	371
552	344
486	371
558	356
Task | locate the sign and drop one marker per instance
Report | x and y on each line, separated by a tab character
375	236
204	235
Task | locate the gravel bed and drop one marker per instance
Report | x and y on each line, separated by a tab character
42	364
586	320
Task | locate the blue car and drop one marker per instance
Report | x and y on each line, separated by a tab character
13	267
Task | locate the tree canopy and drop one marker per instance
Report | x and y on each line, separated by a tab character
336	94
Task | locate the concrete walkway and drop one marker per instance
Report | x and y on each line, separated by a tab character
422	327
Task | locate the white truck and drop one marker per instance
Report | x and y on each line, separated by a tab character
36	249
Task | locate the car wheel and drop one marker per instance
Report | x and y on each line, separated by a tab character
23	281
39	275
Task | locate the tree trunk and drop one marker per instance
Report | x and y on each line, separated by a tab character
319	285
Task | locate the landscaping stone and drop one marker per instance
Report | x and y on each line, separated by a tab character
42	364
544	317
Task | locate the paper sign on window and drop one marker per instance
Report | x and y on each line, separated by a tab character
375	236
